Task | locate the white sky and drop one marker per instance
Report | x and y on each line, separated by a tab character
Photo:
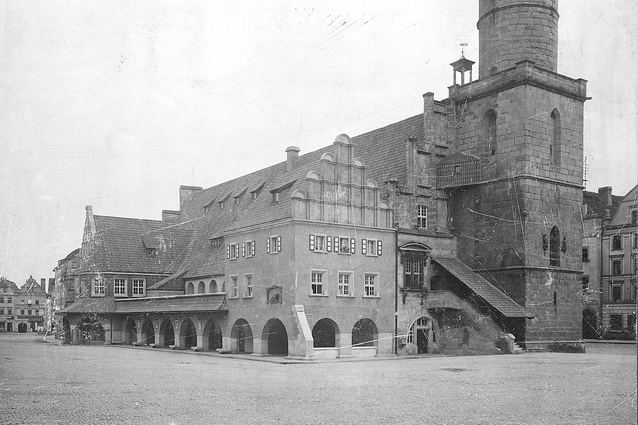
115	104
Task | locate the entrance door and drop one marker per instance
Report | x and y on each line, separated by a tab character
9	327
422	340
241	339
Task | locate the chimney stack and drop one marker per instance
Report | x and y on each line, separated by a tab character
291	158
604	195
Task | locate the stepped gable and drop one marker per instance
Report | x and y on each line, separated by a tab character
383	150
120	245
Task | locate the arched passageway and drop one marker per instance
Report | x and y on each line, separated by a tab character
274	338
241	337
148	332
212	338
130	332
421	334
364	334
325	334
188	334
167	333
91	329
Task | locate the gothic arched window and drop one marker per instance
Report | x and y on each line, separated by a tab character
554	137
554	247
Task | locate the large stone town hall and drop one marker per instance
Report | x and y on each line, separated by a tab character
443	232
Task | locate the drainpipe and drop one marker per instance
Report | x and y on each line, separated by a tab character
396	288
600	279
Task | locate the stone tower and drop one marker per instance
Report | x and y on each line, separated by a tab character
514	177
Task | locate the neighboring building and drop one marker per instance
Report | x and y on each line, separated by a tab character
444	232
619	253
66	288
29	306
8	291
598	208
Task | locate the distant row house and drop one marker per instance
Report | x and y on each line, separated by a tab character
22	309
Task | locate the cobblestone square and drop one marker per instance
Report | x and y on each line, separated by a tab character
45	383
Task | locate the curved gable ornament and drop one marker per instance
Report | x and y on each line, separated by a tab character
415	247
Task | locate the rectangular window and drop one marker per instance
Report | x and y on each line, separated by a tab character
28	312
119	288
316	283
248	284
98	286
615	322
371	247
370	285
249	249
413	273
634	217
139	287
344	284
318	243
233	251
9	311
422	216
616	267
234	289
635	242
631	322
585	284
273	245
345	245
616	292
21	312
8	300
37	302
585	255
616	243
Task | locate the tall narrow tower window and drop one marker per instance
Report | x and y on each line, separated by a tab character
554	135
554	247
489	130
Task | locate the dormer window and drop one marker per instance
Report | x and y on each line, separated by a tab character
275	197
151	252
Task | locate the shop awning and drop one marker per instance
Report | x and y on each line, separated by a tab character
481	287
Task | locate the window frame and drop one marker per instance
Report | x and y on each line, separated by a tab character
314	285
613	318
313	243
345	288
616	284
365	247
273	244
136	281
233	251
95	287
616	243
421	217
585	255
585	284
124	288
612	267
248	286
374	285
248	249
234	287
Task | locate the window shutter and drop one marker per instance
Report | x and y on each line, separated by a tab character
329	244
252	249
243	249
379	250
364	248
337	244
278	243
353	245
312	242
228	252
268	246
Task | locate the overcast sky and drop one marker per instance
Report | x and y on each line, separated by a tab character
115	104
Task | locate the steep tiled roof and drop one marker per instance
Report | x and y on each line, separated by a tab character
383	150
121	245
11	287
596	207
173	304
91	305
481	287
627	203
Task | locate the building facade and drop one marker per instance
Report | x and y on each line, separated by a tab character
8	291
448	231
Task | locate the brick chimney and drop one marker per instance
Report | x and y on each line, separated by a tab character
170	216
291	158
604	195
